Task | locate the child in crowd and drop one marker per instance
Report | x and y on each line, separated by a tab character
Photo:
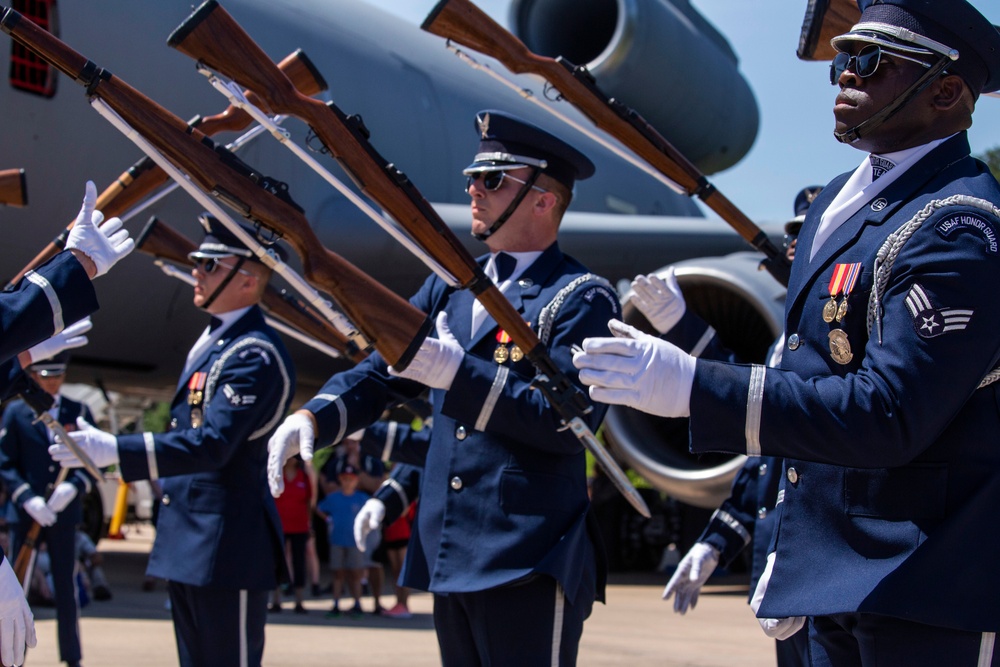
346	560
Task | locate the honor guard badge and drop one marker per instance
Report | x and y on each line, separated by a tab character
930	321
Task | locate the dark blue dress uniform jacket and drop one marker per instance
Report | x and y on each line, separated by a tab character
892	482
43	303
503	492
218	524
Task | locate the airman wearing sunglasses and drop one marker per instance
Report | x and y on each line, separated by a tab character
219	542
885	402
502	537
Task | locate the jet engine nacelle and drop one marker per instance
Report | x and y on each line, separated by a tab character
745	305
660	57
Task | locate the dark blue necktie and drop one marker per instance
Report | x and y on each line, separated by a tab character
214	324
505	266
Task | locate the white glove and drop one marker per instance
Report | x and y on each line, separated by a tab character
104	244
67	339
436	362
39	511
659	299
17	625
294	436
100	446
637	370
778	628
368	519
691	574
61	496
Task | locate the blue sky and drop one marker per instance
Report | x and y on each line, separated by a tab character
795	145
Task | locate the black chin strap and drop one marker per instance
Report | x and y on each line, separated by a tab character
222	285
862	129
522	193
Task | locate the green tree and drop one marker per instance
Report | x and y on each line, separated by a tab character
992	160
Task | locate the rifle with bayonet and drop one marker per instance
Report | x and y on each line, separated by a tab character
213	38
27	554
462	22
162	241
13	187
144	177
391	323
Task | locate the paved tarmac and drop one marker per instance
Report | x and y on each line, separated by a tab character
634	628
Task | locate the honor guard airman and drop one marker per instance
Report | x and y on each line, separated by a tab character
31	475
216	508
502	537
887	416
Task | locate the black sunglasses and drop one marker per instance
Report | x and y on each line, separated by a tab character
866	62
208	266
493	180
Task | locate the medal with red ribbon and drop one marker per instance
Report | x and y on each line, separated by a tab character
196	394
841	283
502	354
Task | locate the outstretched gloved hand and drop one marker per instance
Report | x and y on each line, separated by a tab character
61	497
637	370
295	435
691	574
436	362
659	299
100	446
368	519
38	510
17	624
105	243
67	339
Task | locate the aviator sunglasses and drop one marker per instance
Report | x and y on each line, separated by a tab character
866	62
493	180
208	266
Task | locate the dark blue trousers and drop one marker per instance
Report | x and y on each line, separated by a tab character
218	627
528	623
868	640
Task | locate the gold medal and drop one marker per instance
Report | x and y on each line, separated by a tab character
830	310
840	347
842	309
194	398
515	353
196	417
501	354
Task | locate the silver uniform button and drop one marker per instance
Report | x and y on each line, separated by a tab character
762	513
762	469
173	423
166	499
461	433
793	475
525	282
794	341
456	483
52	468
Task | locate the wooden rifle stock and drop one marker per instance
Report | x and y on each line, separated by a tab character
13	187
26	554
144	177
462	22
162	241
394	326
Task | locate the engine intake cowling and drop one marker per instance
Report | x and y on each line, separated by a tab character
745	305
